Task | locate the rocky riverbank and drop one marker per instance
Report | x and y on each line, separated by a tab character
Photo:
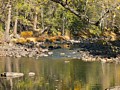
98	50
88	57
13	50
86	51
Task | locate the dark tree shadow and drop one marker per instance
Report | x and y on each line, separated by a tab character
98	48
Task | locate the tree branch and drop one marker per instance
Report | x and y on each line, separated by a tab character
96	23
65	5
106	12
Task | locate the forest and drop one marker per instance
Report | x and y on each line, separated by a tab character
59	44
93	23
77	19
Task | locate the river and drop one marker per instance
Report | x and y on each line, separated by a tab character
58	73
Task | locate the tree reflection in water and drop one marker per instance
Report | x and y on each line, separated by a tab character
59	75
7	83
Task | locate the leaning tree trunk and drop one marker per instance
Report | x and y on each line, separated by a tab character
7	37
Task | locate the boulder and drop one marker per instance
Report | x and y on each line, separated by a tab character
31	74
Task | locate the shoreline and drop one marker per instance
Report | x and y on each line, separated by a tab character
87	52
9	50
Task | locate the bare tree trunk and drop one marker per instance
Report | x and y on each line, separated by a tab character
14	34
15	26
63	26
42	18
102	20
35	22
7	37
113	17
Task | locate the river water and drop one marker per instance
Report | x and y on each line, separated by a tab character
59	74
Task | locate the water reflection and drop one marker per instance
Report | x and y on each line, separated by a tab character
51	74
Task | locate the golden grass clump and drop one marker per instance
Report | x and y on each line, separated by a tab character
26	34
41	39
21	40
57	38
31	39
110	34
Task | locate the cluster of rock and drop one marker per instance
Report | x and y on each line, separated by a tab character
86	56
99	51
21	51
88	51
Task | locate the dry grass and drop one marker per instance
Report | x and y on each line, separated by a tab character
26	34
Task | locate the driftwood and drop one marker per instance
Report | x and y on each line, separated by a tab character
11	74
15	74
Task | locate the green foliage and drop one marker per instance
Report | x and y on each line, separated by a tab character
1	27
25	21
95	30
50	13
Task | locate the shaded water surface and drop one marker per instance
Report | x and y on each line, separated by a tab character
59	74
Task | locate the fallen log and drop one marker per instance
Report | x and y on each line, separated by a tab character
11	74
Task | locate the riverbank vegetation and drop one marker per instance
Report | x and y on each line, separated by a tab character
26	21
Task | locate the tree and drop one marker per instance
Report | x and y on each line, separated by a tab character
66	6
91	16
7	37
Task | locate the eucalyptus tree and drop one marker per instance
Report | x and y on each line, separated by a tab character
75	15
94	14
35	11
2	14
71	6
51	17
8	13
7	37
17	5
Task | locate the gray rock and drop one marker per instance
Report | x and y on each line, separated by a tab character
31	74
